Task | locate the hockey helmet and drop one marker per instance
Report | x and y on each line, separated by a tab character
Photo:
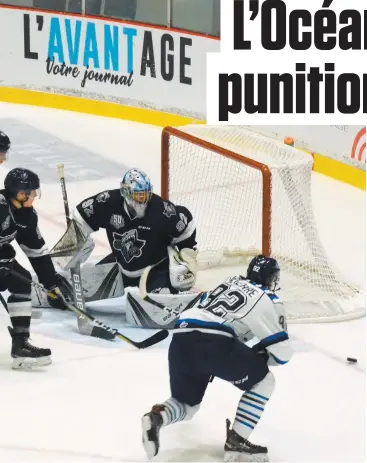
137	190
264	271
4	146
21	180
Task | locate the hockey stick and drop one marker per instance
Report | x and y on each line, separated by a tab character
75	271
3	302
327	353
145	297
157	337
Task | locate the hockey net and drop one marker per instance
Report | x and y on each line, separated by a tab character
250	194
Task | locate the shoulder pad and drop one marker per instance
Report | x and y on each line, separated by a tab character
169	209
103	197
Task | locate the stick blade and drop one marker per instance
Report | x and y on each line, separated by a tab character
143	282
155	339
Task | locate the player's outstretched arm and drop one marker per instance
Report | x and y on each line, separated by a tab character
268	323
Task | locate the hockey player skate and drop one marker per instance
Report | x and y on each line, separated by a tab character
237	448
151	424
25	356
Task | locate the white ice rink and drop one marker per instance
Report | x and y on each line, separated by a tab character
87	406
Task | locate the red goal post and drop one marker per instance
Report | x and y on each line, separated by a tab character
169	132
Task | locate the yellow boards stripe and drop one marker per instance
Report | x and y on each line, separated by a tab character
96	107
340	171
323	165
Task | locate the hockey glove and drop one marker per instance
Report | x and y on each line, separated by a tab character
182	268
7	257
56	299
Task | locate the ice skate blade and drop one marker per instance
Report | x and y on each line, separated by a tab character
28	363
241	456
151	447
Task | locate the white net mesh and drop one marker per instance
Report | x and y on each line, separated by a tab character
226	199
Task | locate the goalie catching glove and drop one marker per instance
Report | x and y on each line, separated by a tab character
182	268
73	248
81	255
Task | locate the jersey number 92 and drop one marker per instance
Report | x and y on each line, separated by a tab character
223	301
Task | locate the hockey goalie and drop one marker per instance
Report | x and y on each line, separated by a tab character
142	230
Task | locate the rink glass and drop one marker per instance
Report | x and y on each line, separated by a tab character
202	16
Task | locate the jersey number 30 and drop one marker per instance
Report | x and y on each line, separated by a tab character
223	301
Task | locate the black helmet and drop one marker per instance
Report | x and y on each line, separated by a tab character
20	179
264	271
4	142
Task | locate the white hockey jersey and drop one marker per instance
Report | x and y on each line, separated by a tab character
241	309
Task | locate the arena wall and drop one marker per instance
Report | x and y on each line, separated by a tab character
138	72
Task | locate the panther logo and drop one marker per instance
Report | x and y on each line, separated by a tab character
128	244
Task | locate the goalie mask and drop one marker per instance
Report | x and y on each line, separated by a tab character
264	271
21	180
136	190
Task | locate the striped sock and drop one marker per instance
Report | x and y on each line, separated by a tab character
173	411
251	406
20	312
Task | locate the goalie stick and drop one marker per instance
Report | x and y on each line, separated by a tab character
76	278
157	337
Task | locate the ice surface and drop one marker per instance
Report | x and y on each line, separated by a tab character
86	407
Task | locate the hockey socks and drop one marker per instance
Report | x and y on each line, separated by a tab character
172	411
169	412
251	406
20	312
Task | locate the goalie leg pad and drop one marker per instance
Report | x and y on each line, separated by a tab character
145	315
99	282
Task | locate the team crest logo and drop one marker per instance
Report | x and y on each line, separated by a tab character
128	244
169	209
117	221
102	198
2	199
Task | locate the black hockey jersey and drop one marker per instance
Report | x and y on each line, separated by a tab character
137	242
22	225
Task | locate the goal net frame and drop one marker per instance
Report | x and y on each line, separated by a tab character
264	169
